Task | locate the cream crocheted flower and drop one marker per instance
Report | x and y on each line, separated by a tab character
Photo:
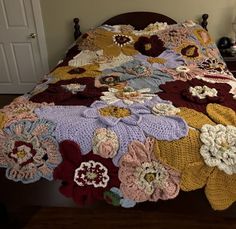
151	29
143	177
219	147
203	92
74	87
165	109
105	143
128	95
207	155
91	173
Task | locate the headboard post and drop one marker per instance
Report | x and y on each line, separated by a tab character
204	22
77	32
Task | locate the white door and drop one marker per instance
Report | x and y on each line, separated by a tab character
23	53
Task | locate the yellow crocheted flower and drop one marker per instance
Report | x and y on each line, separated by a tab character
203	36
68	72
113	44
2	120
207	155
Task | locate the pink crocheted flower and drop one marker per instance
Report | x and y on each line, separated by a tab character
105	143
21	108
29	150
145	178
185	73
85	178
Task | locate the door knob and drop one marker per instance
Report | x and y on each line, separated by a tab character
33	35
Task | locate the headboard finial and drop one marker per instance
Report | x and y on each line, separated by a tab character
77	32
204	21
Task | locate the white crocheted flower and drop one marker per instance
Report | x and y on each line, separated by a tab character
188	23
128	95
105	143
151	175
165	109
151	29
182	69
74	87
203	92
91	173
219	147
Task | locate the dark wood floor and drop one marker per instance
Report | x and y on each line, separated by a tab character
6	99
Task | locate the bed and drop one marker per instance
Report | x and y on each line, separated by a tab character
138	111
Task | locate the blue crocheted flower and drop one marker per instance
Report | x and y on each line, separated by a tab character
133	122
29	151
140	75
167	59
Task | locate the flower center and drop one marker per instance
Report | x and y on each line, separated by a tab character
91	176
21	154
122	40
140	71
147	46
114	111
190	51
225	146
150	177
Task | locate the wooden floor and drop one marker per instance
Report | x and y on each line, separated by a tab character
112	218
6	99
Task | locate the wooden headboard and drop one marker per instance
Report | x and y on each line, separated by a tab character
137	19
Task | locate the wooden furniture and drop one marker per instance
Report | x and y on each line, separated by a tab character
231	63
137	19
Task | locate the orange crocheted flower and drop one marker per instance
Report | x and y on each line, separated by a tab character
207	156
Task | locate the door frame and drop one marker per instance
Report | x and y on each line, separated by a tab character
38	19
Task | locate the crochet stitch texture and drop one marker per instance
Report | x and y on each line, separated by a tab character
82	122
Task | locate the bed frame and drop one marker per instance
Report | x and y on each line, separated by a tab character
137	19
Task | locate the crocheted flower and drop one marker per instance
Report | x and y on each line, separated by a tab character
68	72
213	66
84	178
167	59
86	57
206	155
130	123
219	147
2	120
128	95
203	36
58	93
105	143
115	197
20	109
145	178
150	46
196	94
151	29
139	75
74	88
110	80
185	73
29	150
165	109
189	51
174	36
113	43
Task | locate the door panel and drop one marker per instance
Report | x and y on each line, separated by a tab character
4	72
16	17
22	63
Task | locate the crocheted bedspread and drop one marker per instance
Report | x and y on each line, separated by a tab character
129	116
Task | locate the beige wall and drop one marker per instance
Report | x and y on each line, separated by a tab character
58	15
